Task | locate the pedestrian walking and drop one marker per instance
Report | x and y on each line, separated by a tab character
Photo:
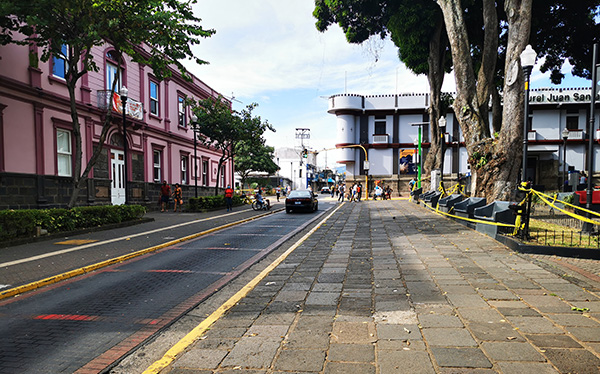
165	193
359	191
177	197
229	198
278	192
354	192
378	192
341	191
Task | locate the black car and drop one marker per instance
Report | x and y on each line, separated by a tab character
301	200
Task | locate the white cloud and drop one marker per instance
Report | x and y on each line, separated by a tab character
270	52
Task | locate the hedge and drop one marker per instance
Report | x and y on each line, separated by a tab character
23	223
197	204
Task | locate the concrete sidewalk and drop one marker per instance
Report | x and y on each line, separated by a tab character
389	287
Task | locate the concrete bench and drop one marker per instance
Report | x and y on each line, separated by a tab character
432	198
466	207
447	203
497	212
416	193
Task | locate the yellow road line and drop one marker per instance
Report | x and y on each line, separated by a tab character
86	269
199	330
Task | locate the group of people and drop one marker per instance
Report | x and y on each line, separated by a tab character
166	194
355	192
383	193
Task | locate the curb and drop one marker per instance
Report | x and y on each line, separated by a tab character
86	269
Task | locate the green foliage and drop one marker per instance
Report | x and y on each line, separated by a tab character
223	128
570	199
252	155
22	223
211	202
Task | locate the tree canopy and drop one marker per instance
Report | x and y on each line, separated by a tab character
223	128
484	37
252	155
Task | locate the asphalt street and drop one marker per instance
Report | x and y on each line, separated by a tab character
64	327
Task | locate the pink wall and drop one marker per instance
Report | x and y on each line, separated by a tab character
32	115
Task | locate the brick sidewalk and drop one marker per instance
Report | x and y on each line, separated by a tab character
389	287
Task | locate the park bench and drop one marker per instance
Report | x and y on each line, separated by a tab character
445	204
496	212
466	207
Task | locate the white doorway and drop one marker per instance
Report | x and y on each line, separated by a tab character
117	168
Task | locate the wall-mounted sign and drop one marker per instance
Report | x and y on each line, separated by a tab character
551	96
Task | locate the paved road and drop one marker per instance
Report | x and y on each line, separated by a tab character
389	287
87	322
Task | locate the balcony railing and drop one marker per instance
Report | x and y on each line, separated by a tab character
531	135
133	108
380	139
575	134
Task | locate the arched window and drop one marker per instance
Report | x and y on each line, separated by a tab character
112	72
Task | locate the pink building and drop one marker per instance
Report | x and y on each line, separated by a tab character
37	144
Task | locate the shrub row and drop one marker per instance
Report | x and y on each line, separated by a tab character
210	202
22	223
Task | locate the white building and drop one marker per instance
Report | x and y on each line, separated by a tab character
385	126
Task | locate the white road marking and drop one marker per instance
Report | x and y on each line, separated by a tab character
77	248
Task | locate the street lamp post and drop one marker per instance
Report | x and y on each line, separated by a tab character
587	226
194	119
528	57
565	136
442	126
123	94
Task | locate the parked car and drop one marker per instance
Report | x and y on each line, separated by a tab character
301	200
325	190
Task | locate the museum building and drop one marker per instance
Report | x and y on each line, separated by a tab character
387	127
37	143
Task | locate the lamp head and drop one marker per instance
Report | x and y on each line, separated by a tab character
194	118
123	92
442	122
565	133
528	57
416	142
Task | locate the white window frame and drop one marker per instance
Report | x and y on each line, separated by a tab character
64	58
111	69
181	112
154	98
157	165
205	171
64	153
184	169
223	175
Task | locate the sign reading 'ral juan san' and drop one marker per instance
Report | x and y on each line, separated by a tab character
559	96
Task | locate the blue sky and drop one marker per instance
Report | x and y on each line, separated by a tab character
269	52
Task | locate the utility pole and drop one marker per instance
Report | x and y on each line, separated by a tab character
303	134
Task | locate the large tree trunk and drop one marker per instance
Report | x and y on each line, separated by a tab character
493	165
435	76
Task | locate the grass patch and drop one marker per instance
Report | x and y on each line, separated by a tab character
545	233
